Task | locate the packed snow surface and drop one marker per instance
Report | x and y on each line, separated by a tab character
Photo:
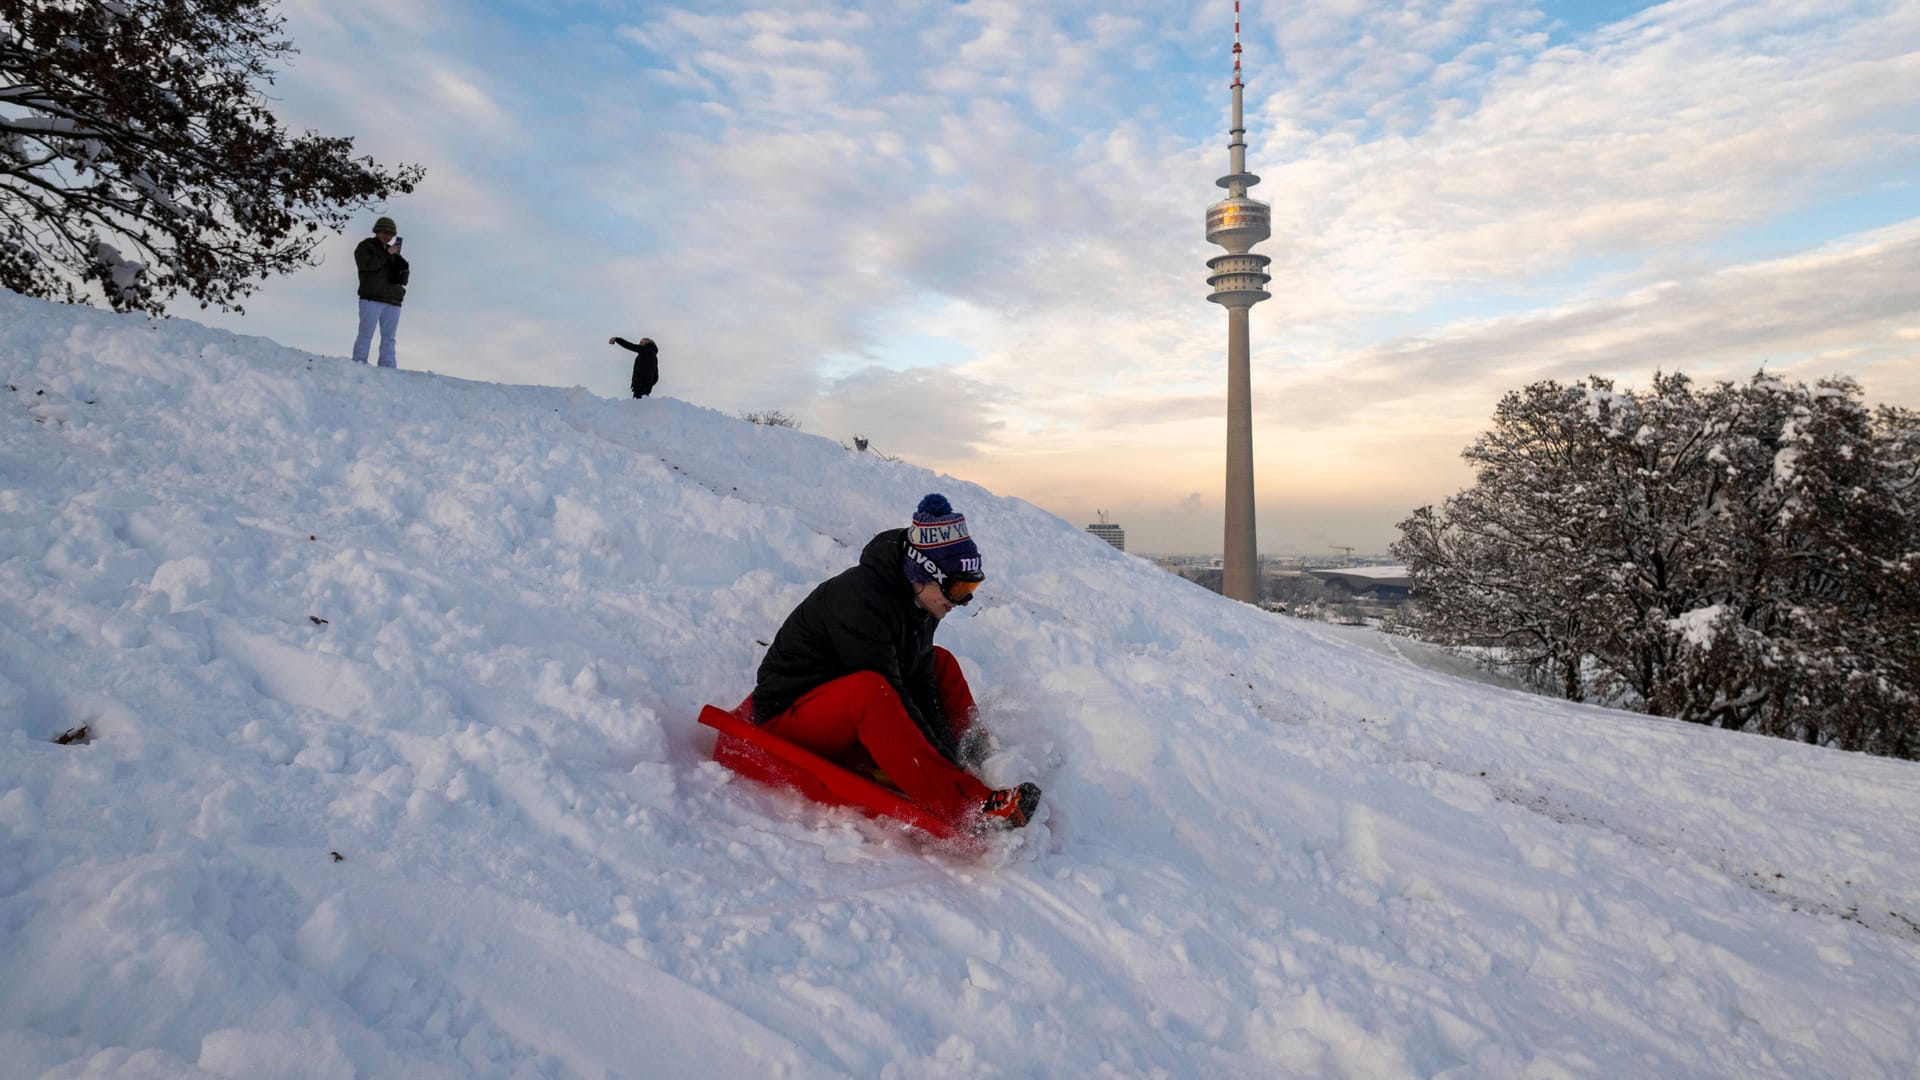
391	770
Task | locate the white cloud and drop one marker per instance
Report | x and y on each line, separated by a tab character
1830	309
1660	136
454	94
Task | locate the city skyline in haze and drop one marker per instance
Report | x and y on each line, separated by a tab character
971	232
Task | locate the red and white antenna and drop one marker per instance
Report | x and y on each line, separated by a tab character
1236	42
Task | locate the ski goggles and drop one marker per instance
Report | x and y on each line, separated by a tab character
959	592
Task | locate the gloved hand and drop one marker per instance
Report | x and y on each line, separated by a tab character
976	746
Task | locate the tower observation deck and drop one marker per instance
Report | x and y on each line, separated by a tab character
1239	277
1239	281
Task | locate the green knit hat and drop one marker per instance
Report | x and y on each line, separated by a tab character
385	224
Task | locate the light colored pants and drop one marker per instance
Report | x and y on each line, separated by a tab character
387	317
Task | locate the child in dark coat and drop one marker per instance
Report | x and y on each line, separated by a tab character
646	363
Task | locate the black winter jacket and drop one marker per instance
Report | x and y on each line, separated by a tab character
863	619
646	365
383	275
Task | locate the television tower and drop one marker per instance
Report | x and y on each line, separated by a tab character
1239	280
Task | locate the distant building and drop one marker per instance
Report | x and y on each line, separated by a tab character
1389	583
1112	534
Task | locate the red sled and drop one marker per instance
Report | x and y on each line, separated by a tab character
753	753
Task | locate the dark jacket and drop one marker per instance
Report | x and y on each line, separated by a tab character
646	364
383	275
863	619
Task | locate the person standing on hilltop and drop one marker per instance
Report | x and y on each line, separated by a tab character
646	363
383	286
854	675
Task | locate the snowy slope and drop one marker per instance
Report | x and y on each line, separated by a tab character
1264	851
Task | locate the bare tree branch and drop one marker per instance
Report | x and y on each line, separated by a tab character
139	127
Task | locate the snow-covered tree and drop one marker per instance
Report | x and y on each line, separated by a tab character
1747	555
138	156
1510	562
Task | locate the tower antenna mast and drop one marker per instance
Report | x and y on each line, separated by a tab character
1236	42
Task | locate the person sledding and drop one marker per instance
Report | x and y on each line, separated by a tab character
854	675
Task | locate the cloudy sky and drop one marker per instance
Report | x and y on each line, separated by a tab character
973	232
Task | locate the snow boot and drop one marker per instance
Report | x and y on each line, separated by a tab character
1010	808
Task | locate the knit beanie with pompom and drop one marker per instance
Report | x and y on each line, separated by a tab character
938	546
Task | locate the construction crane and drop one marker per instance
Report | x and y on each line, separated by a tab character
1348	561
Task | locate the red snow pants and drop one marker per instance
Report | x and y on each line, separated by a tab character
862	712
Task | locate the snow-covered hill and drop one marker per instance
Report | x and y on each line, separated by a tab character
457	633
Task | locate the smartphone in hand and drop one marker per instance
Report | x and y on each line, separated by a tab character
397	241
